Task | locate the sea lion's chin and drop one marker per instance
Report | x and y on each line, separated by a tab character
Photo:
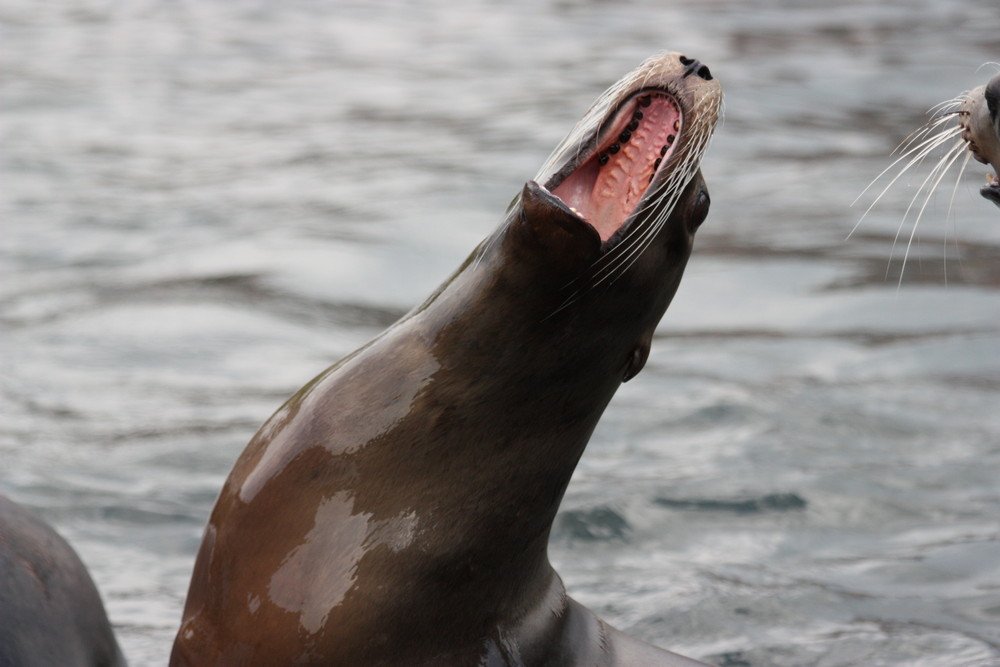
544	205
991	190
553	228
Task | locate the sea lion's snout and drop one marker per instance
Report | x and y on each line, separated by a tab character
979	117
630	157
555	229
694	66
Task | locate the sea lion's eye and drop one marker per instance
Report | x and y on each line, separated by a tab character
700	210
992	95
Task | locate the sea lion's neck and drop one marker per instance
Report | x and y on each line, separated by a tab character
521	386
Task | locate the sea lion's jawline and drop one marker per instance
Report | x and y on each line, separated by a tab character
991	192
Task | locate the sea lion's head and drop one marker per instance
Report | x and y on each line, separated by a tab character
616	205
979	117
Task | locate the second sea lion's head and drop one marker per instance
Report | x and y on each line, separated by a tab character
979	117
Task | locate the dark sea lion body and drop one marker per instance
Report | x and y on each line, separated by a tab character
980	119
397	509
50	611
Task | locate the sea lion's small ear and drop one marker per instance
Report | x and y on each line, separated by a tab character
636	360
547	223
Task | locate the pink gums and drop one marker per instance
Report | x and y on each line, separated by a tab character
605	195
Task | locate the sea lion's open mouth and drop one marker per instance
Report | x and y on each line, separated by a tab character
606	185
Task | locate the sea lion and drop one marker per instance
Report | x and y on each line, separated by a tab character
50	610
979	118
975	135
397	509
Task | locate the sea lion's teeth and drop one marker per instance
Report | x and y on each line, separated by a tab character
603	159
677	125
637	115
614	148
633	126
663	150
624	136
670	140
645	101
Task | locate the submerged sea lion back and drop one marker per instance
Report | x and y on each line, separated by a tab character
50	610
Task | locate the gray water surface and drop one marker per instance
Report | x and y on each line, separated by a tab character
204	204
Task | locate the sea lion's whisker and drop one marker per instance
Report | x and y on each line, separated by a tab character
951	207
947	104
954	191
937	167
665	195
637	240
923	131
922	146
659	200
640	239
972	118
633	239
922	151
936	175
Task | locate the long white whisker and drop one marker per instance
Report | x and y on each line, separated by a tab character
935	178
922	131
628	246
662	197
925	148
642	239
951	217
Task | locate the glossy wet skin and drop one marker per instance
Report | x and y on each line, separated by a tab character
980	120
397	509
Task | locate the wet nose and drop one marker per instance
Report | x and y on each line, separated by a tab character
694	66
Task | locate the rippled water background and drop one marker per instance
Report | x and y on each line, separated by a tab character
204	204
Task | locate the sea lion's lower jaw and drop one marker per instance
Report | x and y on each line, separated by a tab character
991	190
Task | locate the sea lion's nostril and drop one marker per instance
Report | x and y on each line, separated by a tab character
694	66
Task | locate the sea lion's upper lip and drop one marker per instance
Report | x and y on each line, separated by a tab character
617	163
